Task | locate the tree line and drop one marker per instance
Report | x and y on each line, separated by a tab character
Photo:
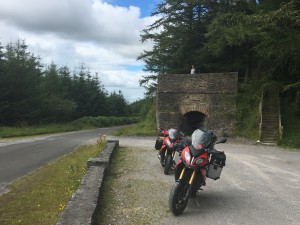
32	93
258	39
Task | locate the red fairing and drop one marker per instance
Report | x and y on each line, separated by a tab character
168	142
186	149
162	148
205	160
179	162
165	143
200	161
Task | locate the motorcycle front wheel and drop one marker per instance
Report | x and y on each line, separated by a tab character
168	164
178	198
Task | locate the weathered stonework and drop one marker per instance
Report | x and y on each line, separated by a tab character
190	101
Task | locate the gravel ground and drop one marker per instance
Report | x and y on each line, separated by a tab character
136	190
258	185
135	182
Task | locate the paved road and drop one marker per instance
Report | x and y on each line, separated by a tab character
22	156
259	185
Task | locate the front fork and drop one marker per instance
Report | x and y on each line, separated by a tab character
166	152
192	176
172	154
191	180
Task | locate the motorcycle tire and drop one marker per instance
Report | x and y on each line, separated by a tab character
162	160
168	164
177	200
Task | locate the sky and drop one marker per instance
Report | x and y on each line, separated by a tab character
103	35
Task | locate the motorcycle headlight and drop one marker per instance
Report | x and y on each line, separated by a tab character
198	161
187	157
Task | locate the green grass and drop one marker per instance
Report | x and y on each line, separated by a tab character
8	132
140	129
40	198
145	128
291	126
79	124
247	112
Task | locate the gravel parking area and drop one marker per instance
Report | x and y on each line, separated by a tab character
258	185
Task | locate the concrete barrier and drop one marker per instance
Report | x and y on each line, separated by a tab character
81	208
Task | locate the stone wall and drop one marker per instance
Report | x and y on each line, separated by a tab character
208	99
83	205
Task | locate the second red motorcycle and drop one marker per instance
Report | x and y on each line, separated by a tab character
171	146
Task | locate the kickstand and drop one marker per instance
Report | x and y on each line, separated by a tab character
196	200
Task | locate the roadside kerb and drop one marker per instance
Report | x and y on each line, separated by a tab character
80	209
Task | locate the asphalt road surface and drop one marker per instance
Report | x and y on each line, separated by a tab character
19	157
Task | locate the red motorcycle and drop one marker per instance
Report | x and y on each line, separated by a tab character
198	161
160	138
172	144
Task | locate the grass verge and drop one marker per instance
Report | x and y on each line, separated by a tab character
147	127
84	123
39	198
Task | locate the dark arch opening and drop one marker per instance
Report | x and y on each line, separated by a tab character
192	121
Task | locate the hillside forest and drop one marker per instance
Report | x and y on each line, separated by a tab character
260	40
257	39
33	94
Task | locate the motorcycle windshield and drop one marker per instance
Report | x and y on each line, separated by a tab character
173	134
201	139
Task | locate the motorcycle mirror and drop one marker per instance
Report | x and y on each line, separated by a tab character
221	140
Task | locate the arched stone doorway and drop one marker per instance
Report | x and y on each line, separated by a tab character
187	101
193	117
192	121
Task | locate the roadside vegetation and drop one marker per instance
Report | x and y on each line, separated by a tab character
40	197
36	95
291	125
147	126
84	123
258	39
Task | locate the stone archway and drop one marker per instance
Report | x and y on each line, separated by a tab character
187	101
193	117
192	121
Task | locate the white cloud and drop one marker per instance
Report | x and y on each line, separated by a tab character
104	37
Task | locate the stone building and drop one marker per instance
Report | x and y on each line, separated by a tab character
191	101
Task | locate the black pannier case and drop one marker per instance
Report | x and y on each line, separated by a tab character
158	143
215	166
